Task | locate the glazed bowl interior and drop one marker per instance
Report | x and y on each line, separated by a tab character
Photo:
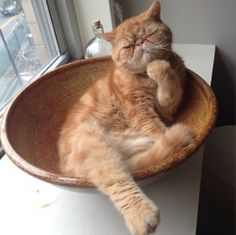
33	121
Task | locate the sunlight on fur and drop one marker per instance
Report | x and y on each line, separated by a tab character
125	120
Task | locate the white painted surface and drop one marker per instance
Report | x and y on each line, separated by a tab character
29	206
199	58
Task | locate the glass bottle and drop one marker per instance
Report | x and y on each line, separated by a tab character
97	46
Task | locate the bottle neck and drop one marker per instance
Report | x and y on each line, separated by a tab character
97	30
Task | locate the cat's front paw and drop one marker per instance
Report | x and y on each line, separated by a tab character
143	218
158	69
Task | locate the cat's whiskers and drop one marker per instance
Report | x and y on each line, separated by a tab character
152	50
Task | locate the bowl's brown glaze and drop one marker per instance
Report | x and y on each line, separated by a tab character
32	122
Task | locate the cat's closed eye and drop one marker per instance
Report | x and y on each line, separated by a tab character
128	46
152	37
151	34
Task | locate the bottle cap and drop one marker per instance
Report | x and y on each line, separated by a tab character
97	23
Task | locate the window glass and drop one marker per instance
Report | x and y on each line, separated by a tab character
27	44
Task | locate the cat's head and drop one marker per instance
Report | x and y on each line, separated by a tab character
139	40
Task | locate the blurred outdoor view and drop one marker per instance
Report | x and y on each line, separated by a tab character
27	44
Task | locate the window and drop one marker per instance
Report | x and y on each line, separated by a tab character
32	40
28	44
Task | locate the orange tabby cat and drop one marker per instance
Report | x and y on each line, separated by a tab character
120	124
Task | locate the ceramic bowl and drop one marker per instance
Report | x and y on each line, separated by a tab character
32	122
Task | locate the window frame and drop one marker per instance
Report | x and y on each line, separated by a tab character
69	25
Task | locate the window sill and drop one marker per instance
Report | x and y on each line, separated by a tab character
62	59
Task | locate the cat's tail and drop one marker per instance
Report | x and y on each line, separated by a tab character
175	138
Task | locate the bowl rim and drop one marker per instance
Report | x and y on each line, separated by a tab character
148	172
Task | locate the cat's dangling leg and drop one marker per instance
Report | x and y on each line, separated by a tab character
105	167
176	137
110	174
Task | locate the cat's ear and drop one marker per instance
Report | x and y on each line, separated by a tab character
154	11
110	37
